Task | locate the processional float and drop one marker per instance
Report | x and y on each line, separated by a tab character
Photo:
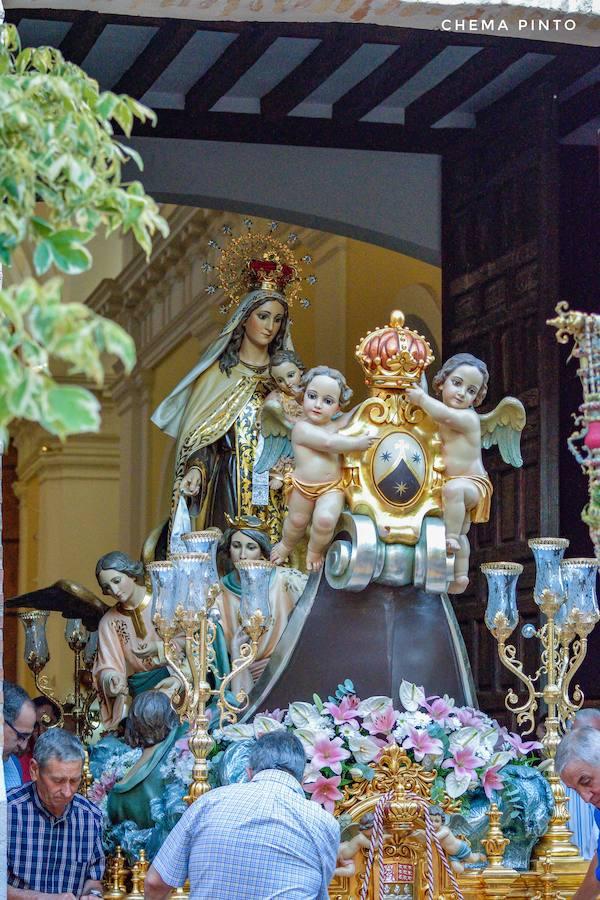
391	549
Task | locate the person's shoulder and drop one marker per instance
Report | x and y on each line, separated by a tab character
321	817
86	806
19	795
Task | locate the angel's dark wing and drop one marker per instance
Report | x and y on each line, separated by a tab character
69	598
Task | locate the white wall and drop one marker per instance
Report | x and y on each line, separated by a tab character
390	199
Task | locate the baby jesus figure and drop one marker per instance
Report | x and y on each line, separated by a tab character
467	492
281	410
315	488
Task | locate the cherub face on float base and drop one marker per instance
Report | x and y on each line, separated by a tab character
287	377
243	547
461	387
264	322
117	584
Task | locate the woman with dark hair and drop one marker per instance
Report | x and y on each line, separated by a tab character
247	539
130	658
153	726
214	412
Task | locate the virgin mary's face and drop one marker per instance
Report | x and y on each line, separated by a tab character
264	322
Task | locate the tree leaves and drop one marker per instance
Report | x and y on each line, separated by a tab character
37	327
57	145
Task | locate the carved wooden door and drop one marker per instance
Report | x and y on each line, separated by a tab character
500	262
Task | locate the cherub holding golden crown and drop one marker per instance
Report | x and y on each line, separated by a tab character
316	492
462	382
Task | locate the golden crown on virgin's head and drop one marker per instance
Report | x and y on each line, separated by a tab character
258	261
394	356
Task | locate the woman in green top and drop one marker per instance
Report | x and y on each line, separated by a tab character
153	726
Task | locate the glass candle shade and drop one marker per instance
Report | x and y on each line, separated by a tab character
501	612
255	576
579	579
197	576
76	634
165	579
204	542
36	653
548	552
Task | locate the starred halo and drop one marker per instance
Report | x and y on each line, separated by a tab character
257	260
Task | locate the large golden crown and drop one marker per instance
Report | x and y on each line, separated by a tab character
258	261
395	356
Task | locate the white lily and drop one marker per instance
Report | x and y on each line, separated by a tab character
411	696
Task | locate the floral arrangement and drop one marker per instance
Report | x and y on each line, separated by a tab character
114	767
345	736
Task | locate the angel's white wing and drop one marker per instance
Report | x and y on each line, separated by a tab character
503	426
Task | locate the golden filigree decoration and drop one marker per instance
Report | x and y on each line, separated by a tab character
396	772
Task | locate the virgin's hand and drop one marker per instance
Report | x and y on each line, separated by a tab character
190	483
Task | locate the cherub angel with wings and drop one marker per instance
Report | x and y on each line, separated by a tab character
462	382
281	410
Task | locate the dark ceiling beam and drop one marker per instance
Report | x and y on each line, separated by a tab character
579	109
560	73
161	50
450	93
416	51
296	131
324	60
240	56
81	36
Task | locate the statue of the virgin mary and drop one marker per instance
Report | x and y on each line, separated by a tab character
214	412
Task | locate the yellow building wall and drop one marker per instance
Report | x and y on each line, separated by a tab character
378	281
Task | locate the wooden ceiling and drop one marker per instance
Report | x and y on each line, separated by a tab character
318	84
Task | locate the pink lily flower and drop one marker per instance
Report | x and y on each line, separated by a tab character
325	791
521	746
468	717
329	753
491	781
464	762
438	708
345	711
381	723
421	743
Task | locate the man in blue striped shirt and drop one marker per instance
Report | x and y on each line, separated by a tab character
54	834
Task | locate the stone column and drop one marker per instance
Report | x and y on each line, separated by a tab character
133	401
69	516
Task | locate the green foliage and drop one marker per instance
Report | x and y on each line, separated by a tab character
35	326
57	146
60	183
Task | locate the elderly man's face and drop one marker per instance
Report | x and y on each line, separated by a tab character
583	778
57	783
